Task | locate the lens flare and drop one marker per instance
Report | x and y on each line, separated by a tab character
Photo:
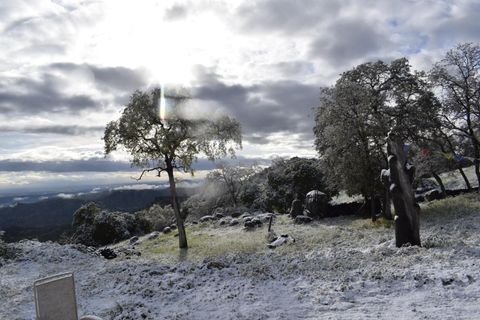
162	104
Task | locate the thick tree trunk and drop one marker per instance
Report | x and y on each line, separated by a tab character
374	206
182	236
440	183
477	167
407	224
386	205
469	186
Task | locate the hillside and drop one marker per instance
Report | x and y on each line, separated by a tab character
338	268
47	219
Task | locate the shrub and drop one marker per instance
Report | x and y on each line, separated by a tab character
93	226
6	252
154	218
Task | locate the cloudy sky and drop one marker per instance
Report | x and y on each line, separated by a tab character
67	67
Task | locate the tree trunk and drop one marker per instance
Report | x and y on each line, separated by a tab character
182	236
407	222
374	205
469	186
386	205
440	183
477	166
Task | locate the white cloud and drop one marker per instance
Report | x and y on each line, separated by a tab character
67	67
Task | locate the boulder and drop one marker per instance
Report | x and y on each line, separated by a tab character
283	239
244	215
108	253
236	214
153	235
224	221
167	230
316	202
233	222
296	208
134	240
218	215
302	219
252	223
206	218
433	195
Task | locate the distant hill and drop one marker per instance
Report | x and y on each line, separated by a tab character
48	219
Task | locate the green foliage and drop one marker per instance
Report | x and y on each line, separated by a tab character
153	142
6	252
164	142
295	177
271	189
356	114
154	218
93	226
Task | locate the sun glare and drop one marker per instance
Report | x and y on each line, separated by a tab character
162	104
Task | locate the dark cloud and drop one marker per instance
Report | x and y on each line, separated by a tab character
90	165
176	12
112	78
346	40
59	129
105	165
47	92
41	96
265	108
285	16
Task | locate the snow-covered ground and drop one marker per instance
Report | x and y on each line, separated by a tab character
339	268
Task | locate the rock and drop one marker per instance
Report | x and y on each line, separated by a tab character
433	195
264	217
302	219
283	239
128	253
244	215
234	222
224	221
245	218
134	240
419	198
153	235
235	214
108	253
316	202
296	208
206	218
216	265
218	216
167	230
251	223
173	226
271	236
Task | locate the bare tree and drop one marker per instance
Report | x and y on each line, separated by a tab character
458	75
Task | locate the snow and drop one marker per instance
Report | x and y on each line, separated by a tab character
352	271
385	173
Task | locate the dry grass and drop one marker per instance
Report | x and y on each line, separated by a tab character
209	241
